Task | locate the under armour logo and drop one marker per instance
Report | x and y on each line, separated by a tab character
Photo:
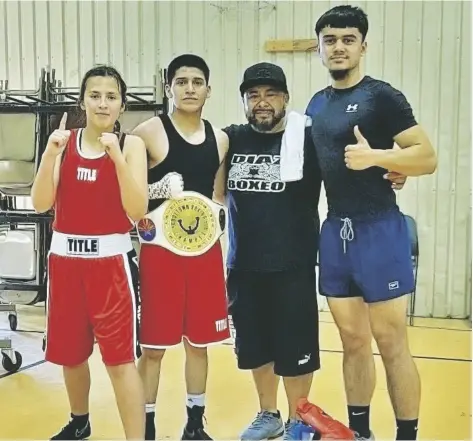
352	108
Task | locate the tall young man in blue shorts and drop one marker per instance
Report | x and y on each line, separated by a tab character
364	241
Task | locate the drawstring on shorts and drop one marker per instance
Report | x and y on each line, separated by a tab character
346	232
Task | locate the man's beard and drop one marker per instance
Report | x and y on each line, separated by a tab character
338	75
268	124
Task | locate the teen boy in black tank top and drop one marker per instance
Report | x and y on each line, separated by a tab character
181	296
196	163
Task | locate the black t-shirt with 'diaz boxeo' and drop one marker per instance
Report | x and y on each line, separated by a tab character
273	225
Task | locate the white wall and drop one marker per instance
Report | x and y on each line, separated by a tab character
421	47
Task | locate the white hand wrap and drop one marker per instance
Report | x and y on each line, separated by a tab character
167	188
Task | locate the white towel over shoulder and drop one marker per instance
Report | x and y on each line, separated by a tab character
292	147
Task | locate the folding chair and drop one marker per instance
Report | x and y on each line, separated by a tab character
414	240
20	250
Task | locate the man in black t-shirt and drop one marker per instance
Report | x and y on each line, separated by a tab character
273	242
365	239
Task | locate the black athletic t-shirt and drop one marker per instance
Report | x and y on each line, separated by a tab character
197	163
381	112
273	225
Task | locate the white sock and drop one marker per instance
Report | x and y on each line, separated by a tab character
150	408
195	400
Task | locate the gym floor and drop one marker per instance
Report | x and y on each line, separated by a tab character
34	405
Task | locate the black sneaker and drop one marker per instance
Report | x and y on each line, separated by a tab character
72	431
194	429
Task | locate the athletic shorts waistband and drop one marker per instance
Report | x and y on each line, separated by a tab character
90	247
365	217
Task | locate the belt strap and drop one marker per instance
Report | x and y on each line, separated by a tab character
90	247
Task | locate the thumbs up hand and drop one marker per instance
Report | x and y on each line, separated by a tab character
359	156
58	139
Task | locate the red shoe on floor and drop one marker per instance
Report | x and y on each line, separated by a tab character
328	428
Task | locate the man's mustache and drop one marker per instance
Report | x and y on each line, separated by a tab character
255	112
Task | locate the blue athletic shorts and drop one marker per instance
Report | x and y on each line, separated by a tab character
370	257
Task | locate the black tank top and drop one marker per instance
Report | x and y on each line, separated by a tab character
196	163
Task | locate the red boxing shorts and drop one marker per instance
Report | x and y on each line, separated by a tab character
92	286
182	296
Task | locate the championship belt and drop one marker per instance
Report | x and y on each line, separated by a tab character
188	226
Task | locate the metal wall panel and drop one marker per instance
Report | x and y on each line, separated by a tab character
421	47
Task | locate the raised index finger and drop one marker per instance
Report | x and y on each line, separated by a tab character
62	124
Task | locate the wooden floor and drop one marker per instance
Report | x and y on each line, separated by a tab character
33	402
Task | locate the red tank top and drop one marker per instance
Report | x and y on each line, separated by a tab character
88	200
